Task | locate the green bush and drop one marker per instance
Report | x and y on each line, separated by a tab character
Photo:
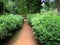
9	23
46	28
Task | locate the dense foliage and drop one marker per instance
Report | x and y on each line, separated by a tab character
21	6
49	5
25	6
34	6
17	6
46	27
8	24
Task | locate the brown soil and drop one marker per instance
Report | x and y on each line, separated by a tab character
24	36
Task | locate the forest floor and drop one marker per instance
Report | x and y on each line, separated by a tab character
24	36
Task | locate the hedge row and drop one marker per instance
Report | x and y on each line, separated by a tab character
46	27
9	23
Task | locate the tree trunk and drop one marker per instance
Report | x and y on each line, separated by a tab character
58	5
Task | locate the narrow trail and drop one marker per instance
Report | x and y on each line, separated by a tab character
24	37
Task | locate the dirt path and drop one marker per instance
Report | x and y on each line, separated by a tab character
24	37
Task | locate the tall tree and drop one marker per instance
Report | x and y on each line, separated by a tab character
58	5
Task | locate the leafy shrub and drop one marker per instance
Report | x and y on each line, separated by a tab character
46	28
9	23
